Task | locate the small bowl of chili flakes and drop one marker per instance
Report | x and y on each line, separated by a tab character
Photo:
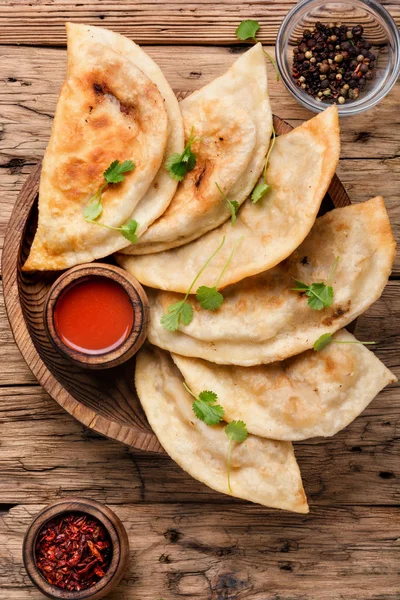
76	549
345	52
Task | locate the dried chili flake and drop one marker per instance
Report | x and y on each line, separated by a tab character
73	551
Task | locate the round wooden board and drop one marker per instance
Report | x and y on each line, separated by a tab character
105	401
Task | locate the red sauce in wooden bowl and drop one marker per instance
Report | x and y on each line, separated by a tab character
94	315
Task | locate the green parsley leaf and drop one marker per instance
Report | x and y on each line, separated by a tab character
320	295
232	204
182	312
176	167
93	210
129	231
326	338
263	187
114	173
233	207
177	164
209	297
247	30
204	406
179	312
259	191
236	432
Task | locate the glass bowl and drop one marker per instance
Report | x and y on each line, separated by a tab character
380	31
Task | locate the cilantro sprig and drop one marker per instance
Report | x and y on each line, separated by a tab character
209	297
113	174
205	407
233	205
263	187
236	432
326	338
182	311
247	30
320	295
177	164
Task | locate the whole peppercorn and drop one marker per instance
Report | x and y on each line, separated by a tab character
332	60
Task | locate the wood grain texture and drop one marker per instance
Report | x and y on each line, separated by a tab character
30	80
232	552
45	455
41	22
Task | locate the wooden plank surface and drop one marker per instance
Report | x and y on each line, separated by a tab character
186	540
41	22
235	552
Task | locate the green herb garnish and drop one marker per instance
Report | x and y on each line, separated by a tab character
320	295
263	187
236	432
182	311
177	164
326	338
247	31
113	174
233	205
204	406
209	297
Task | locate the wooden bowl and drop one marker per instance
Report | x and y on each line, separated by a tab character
140	306
119	542
106	401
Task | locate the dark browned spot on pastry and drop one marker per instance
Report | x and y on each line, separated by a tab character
330	364
124	108
339	312
304	260
200	176
99	88
101	122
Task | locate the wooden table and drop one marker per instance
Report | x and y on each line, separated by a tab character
186	540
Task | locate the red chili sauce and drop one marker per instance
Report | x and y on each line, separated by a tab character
94	316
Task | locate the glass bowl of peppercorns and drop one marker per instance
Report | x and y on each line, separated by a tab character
345	52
